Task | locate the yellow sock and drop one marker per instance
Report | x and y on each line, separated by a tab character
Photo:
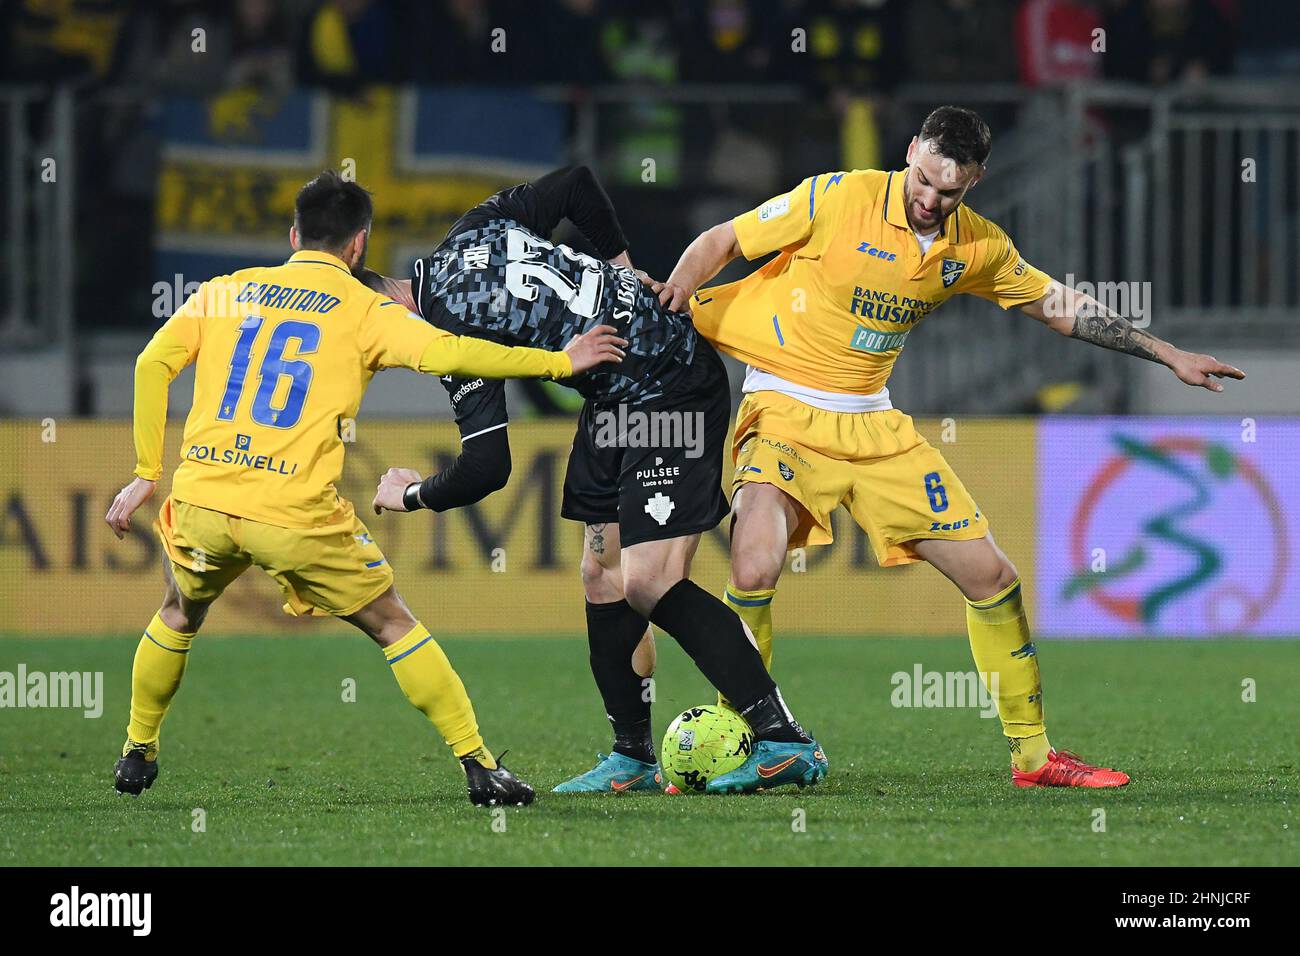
755	609
428	681
159	666
1007	661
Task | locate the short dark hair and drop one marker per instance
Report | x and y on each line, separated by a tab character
330	210
958	134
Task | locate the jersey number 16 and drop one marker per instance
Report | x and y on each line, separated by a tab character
274	365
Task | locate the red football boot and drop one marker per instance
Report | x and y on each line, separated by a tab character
1065	769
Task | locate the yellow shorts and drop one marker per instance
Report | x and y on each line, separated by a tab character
895	484
337	569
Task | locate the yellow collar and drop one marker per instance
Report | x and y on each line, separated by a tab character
318	257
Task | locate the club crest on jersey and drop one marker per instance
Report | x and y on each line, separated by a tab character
477	257
660	507
951	271
786	471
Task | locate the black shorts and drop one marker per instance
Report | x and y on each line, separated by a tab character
655	467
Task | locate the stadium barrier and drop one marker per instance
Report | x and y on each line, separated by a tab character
508	566
1120	527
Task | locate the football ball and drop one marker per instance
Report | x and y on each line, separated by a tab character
702	743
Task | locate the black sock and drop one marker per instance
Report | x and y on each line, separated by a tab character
712	634
770	720
613	632
632	739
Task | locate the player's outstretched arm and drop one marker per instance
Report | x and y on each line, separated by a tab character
1080	316
406	340
753	234
703	259
472	357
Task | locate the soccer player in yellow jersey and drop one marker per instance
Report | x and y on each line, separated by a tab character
282	358
863	257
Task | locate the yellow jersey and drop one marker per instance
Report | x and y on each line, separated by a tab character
282	357
833	310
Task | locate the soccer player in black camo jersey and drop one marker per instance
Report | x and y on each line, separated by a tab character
644	496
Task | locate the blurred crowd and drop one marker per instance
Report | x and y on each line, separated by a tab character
828	66
853	45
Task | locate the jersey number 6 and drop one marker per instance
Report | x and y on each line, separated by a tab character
274	365
936	492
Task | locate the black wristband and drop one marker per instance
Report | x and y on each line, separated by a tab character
411	497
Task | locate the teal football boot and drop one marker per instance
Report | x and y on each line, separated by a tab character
615	773
773	764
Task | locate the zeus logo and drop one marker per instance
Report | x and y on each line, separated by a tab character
950	525
877	253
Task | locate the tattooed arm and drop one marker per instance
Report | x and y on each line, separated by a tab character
1080	316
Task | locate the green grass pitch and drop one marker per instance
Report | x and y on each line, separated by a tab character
290	774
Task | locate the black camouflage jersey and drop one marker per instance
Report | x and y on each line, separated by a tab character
496	277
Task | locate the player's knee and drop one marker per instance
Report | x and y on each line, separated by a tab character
181	620
180	614
392	627
591	571
1007	575
397	621
994	577
754	572
385	620
602	585
643	590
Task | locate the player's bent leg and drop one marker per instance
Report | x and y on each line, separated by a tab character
156	673
385	620
763	519
160	660
652	568
196	552
338	569
622	656
785	493
434	688
602	575
1004	653
978	567
602	584
1007	660
656	583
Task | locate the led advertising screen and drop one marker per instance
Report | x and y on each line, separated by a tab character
1169	527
